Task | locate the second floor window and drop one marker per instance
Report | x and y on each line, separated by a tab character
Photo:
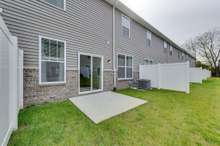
126	26
148	38
165	46
58	3
183	56
179	55
171	51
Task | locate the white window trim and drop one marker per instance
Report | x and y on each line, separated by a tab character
165	45
171	51
179	55
122	15
183	56
40	60
64	5
132	66
148	37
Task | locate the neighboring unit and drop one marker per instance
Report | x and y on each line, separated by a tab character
80	47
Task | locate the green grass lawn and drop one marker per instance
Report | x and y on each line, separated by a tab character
169	119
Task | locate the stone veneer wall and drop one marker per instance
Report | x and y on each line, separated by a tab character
35	93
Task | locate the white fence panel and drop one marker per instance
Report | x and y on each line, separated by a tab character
204	77
4	84
196	75
206	74
8	83
209	74
150	72
173	76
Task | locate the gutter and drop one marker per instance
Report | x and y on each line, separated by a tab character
114	46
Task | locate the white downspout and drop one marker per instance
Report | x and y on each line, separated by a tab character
113	48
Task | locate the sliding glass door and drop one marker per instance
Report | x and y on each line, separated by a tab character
96	73
85	73
90	73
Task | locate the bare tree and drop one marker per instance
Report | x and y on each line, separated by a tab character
207	46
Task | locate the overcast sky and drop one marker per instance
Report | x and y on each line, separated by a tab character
180	20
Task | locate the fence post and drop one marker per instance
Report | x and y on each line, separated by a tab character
140	71
20	78
13	52
158	73
187	77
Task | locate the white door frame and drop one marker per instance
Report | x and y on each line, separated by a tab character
102	72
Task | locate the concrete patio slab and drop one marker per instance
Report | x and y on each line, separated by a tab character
101	106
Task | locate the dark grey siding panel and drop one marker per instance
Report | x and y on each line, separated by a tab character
86	25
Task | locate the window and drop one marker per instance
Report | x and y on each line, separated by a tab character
171	51
125	67
179	55
187	58
126	26
148	39
165	46
183	56
52	61
58	3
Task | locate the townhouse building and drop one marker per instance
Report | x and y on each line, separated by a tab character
75	47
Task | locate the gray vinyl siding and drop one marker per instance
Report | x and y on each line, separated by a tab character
157	50
86	25
136	44
174	58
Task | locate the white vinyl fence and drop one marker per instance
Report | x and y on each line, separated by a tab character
197	75
20	78
206	74
174	76
11	83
